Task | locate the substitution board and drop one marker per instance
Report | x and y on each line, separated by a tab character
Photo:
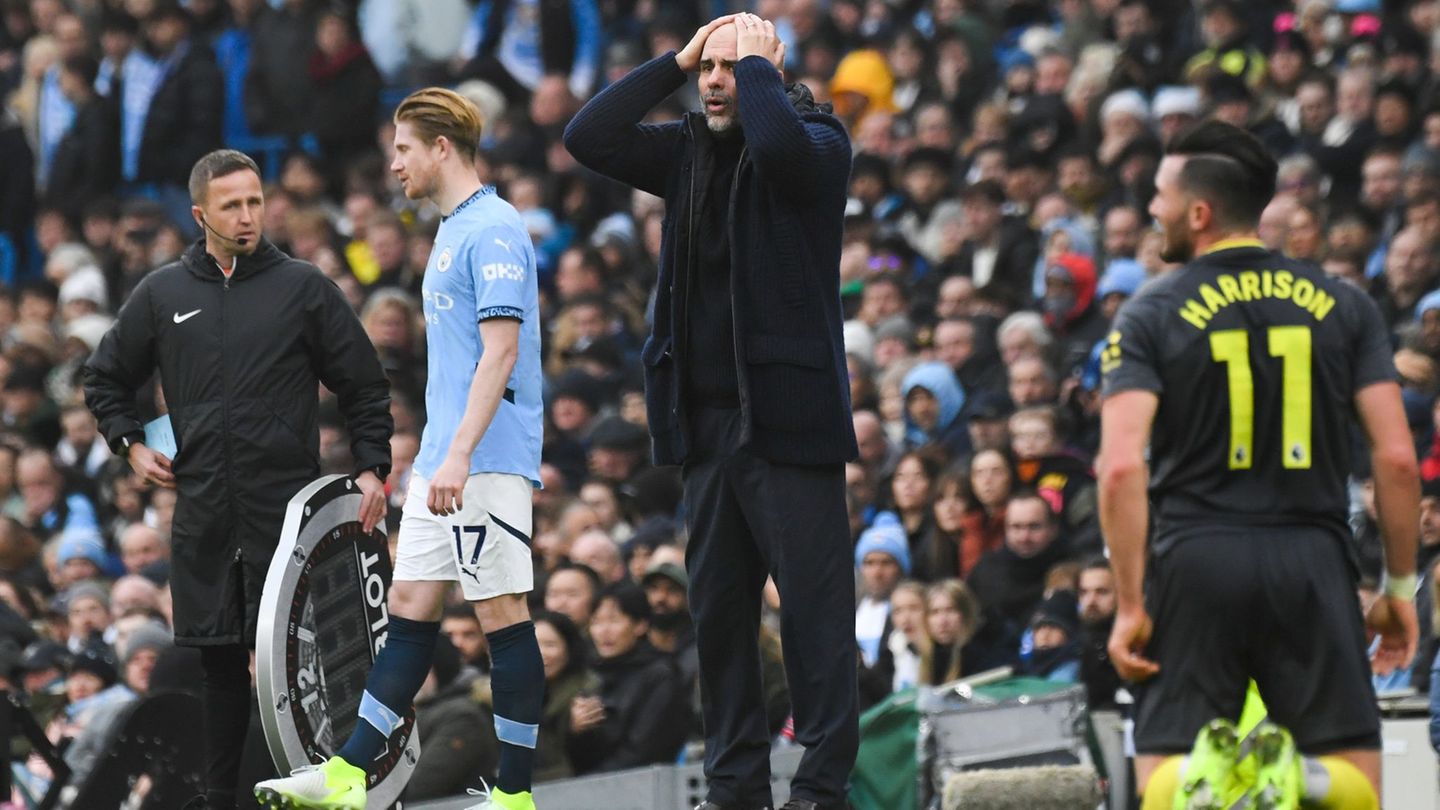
323	618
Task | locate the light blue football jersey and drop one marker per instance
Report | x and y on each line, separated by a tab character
482	266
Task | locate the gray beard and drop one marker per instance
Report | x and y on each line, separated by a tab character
721	126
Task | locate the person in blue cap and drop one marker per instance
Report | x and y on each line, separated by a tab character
81	556
882	558
1122	279
1427	318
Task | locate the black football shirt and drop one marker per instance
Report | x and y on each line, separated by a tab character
1256	359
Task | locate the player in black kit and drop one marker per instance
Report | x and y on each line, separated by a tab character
1240	372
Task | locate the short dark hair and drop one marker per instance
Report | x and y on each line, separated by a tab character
629	599
984	191
83	66
1386	150
1230	168
1320	77
39	288
1034	495
217	164
1095	563
596	584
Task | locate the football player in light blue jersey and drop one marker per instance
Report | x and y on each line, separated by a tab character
467	515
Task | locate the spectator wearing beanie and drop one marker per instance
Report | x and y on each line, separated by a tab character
618	450
87	604
89	686
141	652
1427	324
1174	109
1051	649
43	668
882	558
80	556
1122	279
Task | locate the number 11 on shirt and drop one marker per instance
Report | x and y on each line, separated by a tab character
1292	344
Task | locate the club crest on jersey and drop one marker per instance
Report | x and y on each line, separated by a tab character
443	263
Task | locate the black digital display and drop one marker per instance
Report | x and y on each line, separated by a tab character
342	644
337	629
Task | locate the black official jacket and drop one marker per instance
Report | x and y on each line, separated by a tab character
240	363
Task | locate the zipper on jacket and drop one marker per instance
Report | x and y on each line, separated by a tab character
741	379
225	405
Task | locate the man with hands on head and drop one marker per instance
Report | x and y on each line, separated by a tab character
242	336
746	385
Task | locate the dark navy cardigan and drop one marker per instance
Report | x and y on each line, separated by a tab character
786	223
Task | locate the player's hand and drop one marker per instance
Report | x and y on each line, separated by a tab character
372	505
1394	620
447	488
688	59
152	467
758	38
1127	642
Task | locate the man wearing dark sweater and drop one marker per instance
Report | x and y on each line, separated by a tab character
746	385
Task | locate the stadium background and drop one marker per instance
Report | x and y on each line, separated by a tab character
1004	158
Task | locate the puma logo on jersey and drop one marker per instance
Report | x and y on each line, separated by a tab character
502	243
187	316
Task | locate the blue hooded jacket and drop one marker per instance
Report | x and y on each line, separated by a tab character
1081	241
940	381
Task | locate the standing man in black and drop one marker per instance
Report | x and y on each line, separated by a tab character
242	336
1097	616
746	385
1250	367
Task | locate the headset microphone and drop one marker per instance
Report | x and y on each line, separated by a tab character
242	241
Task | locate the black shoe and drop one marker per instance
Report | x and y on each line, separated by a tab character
800	804
717	806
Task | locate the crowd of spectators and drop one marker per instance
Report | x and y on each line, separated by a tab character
1004	154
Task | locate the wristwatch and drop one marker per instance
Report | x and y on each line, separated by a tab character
122	446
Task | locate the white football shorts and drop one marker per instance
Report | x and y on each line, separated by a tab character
485	547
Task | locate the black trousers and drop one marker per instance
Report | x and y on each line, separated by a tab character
749	517
236	756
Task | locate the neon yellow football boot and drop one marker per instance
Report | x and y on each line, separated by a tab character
334	785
